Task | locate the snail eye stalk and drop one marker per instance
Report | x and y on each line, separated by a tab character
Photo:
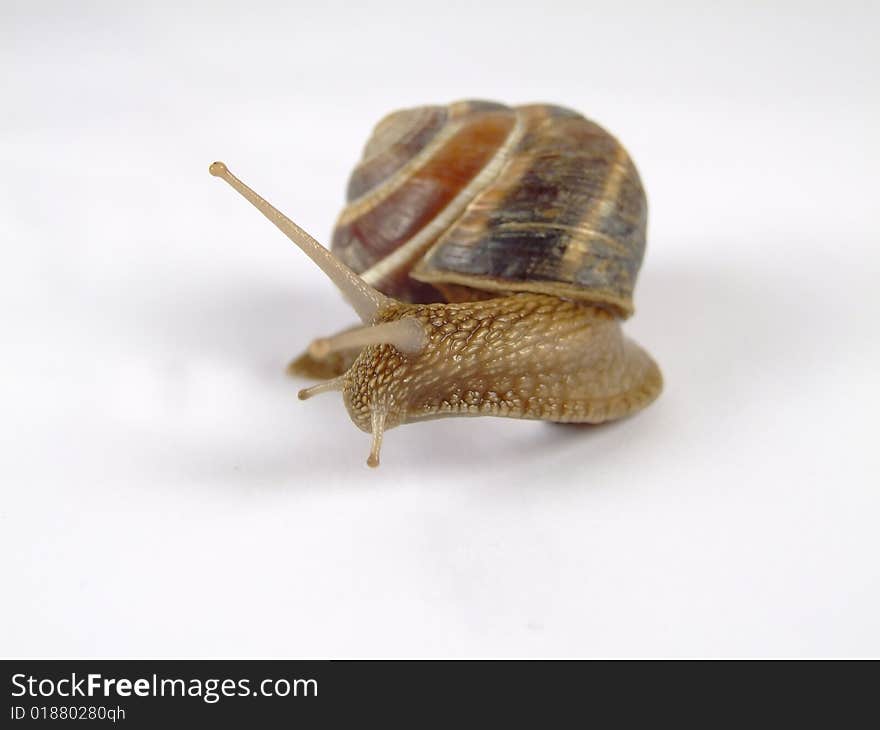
365	300
406	334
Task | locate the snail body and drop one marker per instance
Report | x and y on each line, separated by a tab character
491	253
524	356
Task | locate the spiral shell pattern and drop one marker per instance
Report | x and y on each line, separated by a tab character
478	199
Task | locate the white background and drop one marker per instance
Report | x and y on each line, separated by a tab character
164	492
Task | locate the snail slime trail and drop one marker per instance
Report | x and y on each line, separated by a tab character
490	253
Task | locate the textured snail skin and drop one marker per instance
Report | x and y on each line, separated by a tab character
522	356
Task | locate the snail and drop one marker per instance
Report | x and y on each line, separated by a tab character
490	253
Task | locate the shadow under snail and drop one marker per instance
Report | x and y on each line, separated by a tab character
491	253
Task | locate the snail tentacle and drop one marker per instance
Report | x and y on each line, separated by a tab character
406	334
328	386
365	300
377	418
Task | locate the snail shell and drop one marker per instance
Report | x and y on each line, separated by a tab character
478	199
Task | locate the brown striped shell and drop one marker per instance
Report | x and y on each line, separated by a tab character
477	199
